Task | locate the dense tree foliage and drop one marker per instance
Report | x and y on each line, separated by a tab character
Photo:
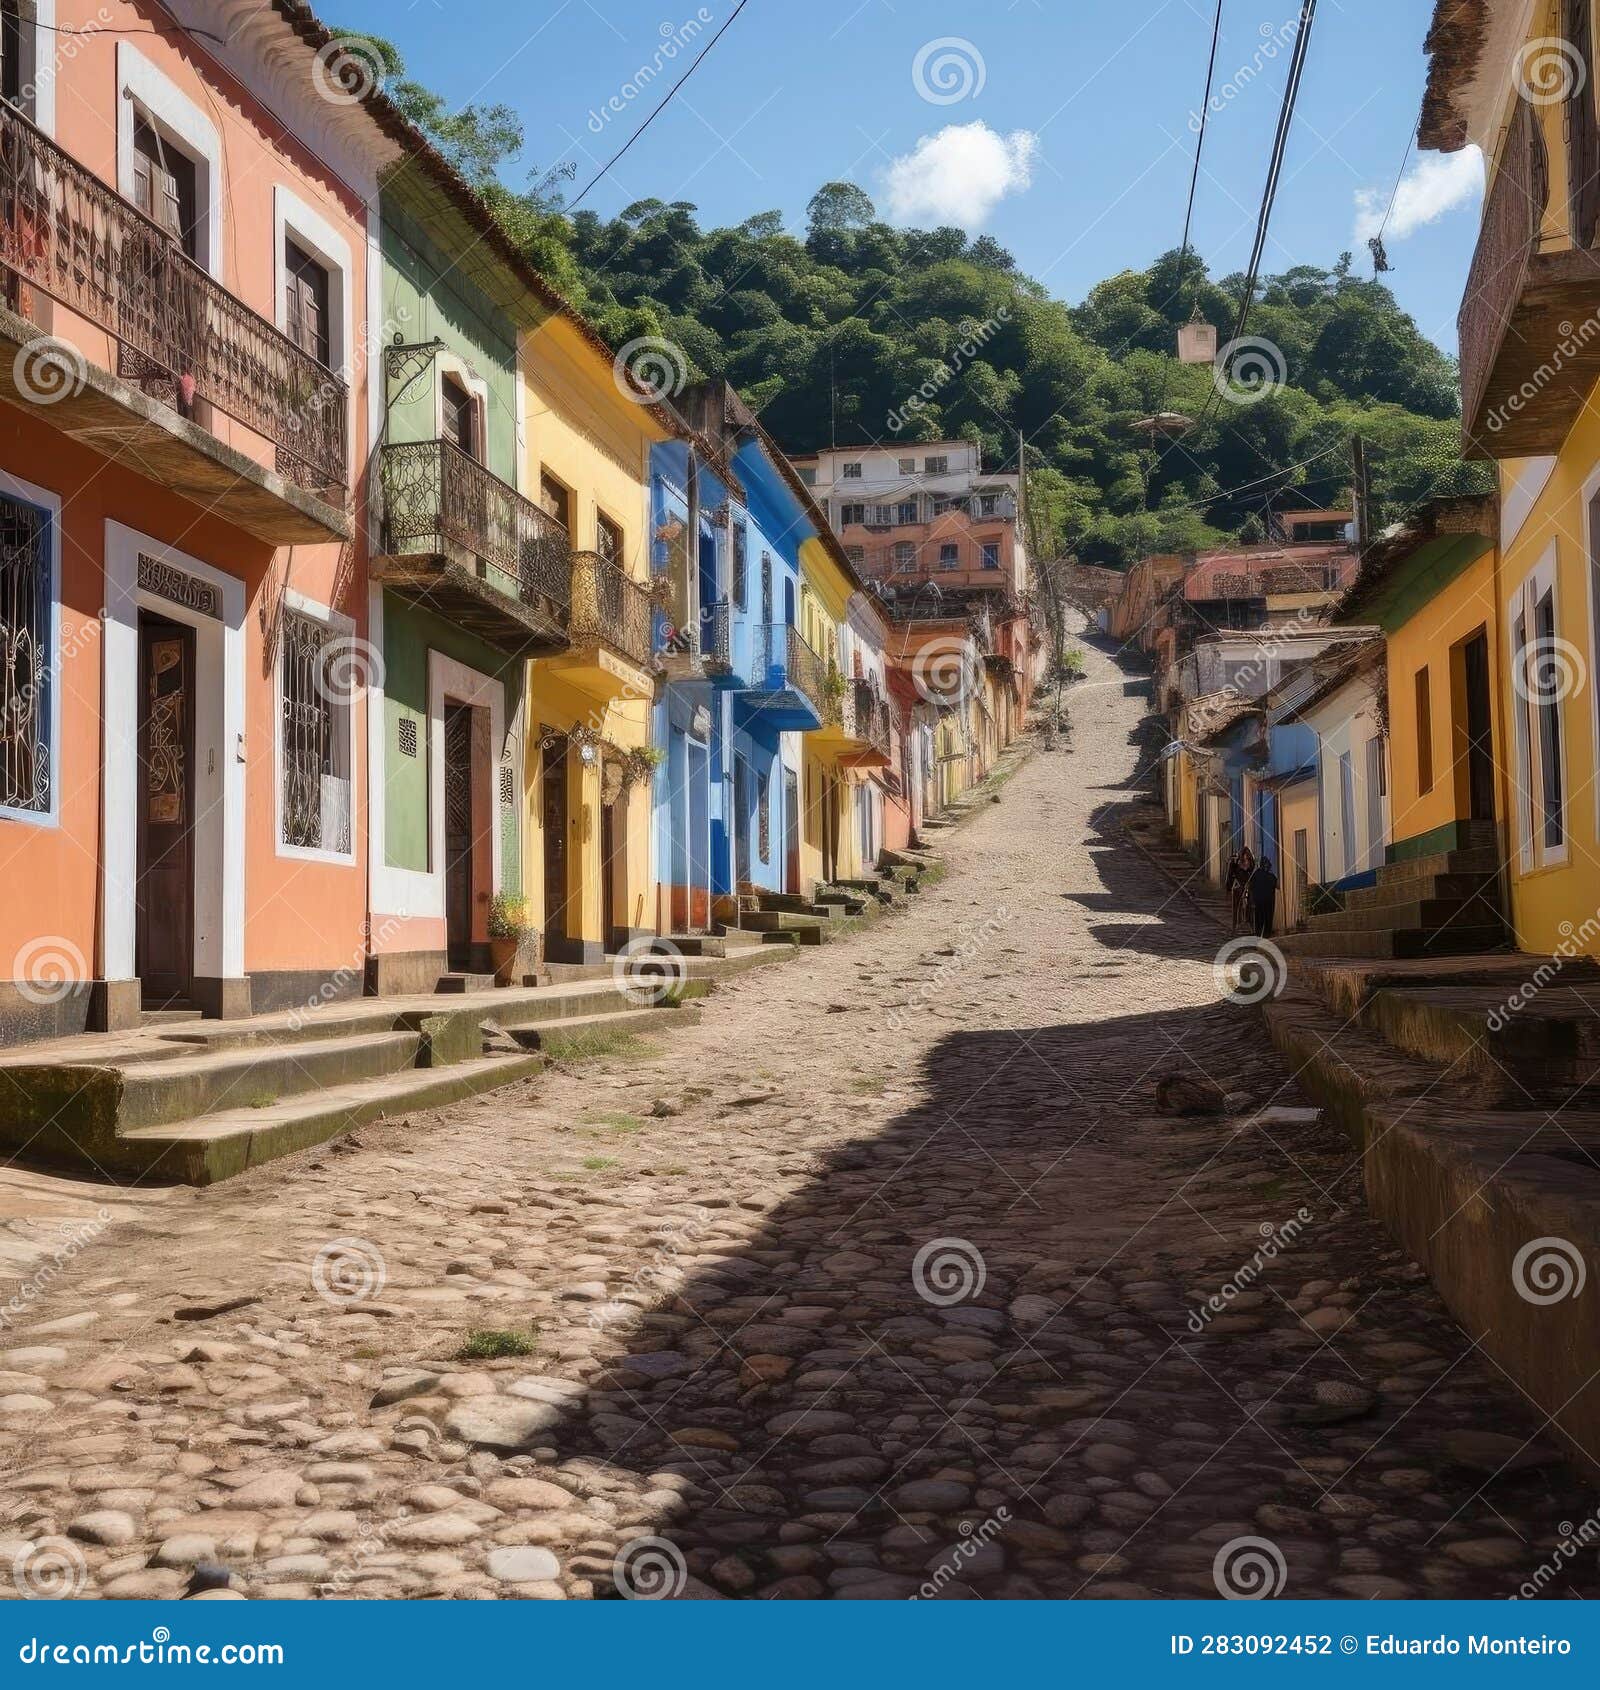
861	332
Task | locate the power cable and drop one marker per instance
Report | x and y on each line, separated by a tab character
700	59
1280	143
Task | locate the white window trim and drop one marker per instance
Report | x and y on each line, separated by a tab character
451	364
1532	853
1591	565
181	122
344	627
219	757
25	492
293	219
40	64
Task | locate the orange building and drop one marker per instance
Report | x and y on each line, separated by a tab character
184	278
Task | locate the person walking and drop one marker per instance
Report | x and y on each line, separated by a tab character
1239	872
1263	897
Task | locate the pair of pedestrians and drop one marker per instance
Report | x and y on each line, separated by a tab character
1252	890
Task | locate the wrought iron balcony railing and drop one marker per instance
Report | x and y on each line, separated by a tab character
608	608
871	724
791	665
437	499
180	334
716	635
1507	243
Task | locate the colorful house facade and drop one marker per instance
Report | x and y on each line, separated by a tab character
182	756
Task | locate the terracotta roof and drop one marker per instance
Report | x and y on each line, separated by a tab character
1455	42
1464	513
1367	655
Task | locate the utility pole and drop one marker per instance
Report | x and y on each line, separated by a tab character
1361	486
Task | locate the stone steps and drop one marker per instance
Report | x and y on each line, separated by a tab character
221	1145
1433	915
203	1103
1381	943
1544	1052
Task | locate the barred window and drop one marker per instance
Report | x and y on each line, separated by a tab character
315	726
26	676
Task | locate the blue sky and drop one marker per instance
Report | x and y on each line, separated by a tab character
1082	164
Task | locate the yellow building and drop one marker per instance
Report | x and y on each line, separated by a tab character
1433	590
588	875
1530	359
842	827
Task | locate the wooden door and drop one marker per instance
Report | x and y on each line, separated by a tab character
1480	730
741	823
791	831
459	887
164	921
554	795
611	879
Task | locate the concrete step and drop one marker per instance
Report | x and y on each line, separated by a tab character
1428	915
782	903
459	982
1345	1066
693	944
169	1017
1433	886
247	1078
1479	860
220	1145
784	921
1383	942
1530	1047
810	933
590	1035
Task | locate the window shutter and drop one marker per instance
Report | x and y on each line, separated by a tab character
1583	131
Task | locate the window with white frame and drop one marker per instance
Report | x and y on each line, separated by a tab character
315	679
27	668
851	471
1544	671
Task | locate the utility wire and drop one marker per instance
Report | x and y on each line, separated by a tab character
1380	259
1188	220
1200	140
666	101
1280	142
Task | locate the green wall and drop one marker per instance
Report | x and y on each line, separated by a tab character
409	633
424	296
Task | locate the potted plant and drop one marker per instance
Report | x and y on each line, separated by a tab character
509	927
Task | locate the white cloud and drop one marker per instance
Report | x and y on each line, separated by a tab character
959	175
1437	183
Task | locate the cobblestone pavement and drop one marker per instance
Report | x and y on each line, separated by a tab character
888	1279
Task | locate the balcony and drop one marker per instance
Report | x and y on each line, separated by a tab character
788	682
610	627
716	638
184	349
1530	346
855	724
462	542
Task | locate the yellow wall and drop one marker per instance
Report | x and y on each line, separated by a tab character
584	432
1297	812
1545	897
1430	640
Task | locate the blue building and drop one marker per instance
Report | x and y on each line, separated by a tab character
727	527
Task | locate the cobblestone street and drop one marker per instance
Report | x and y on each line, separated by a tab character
887	1279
